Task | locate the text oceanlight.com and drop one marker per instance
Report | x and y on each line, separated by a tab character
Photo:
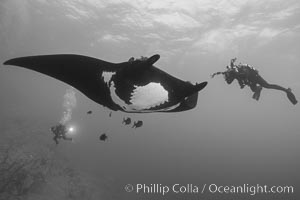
249	189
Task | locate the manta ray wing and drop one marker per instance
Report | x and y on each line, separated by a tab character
134	86
81	72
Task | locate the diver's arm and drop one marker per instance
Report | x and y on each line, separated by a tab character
217	73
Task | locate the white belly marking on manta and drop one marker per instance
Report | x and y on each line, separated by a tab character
148	96
143	98
107	76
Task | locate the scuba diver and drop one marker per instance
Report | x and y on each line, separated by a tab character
247	75
59	132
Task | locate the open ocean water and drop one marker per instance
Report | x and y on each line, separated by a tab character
229	147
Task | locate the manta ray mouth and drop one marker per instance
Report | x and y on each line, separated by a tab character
190	102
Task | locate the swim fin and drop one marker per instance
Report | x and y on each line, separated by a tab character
256	94
291	96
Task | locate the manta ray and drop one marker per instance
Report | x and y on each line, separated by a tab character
134	86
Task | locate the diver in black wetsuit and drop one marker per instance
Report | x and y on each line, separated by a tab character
247	75
59	132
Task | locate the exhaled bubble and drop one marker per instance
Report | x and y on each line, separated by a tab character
68	105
